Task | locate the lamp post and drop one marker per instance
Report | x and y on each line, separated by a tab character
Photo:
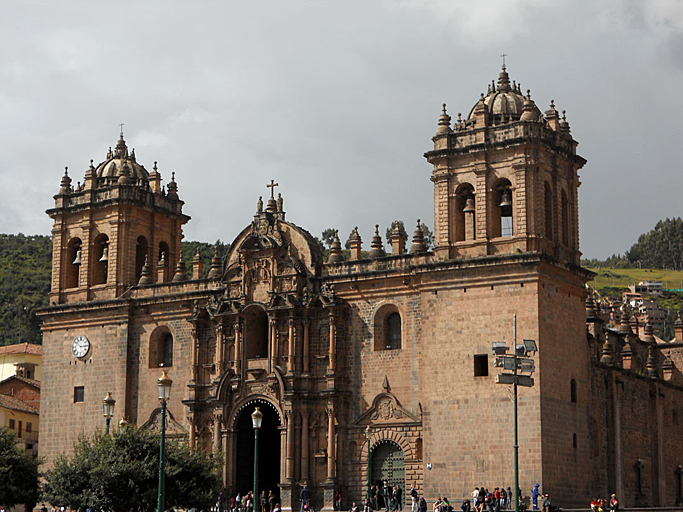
256	419
367	483
515	363
108	409
164	387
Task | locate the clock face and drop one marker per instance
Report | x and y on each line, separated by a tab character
80	346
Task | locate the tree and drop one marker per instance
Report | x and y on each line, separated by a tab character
661	247
328	237
18	472
120	472
428	235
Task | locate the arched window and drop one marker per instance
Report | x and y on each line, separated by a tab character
100	259
565	219
140	255
502	208
548	211
161	348
72	263
256	333
464	214
387	331
572	391
393	336
574	443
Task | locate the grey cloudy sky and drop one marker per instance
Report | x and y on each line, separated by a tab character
336	101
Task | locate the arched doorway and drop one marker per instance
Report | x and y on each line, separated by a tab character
388	464
268	448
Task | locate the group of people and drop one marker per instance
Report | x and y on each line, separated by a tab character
245	503
601	505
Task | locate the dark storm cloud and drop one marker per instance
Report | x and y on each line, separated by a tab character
335	101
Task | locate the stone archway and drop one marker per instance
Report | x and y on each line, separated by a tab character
269	448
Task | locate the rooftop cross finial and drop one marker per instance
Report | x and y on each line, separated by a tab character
121	126
504	55
272	188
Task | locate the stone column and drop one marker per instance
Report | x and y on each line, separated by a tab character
273	343
331	463
304	445
217	431
333	342
289	467
307	328
220	343
190	419
195	354
290	355
481	204
238	347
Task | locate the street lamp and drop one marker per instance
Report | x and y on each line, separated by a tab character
164	387
367	483
517	362
108	409
256	419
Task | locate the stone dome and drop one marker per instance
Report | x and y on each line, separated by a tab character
505	101
111	168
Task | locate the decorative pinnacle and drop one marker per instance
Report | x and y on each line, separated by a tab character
155	166
528	94
504	55
121	126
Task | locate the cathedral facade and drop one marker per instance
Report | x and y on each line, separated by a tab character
377	367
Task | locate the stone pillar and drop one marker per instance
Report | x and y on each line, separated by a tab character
272	336
195	354
469	226
238	347
190	419
481	204
307	328
217	434
290	354
333	342
304	445
289	467
331	462
220	343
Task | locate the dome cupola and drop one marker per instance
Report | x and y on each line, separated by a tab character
120	163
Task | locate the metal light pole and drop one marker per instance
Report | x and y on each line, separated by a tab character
367	436
515	363
164	388
108	409
256	419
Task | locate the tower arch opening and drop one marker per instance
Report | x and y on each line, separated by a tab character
141	248
464	214
72	263
256	333
502	209
100	259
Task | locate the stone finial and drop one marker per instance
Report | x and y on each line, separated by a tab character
503	81
667	368
132	155
590	307
481	113
606	357
528	109
335	251
553	117
651	365
161	268
197	265
633	320
564	124
678	328
356	244
625	326
155	179
460	123
444	122
376	247
172	188
397	240
124	175
627	356
648	336
418	246
385	385
216	265
180	270
146	274
65	184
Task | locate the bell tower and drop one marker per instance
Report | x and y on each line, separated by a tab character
117	229
506	179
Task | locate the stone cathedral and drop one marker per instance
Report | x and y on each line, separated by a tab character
374	367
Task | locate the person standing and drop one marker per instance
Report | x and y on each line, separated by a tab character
614	503
413	499
386	496
304	497
534	496
338	500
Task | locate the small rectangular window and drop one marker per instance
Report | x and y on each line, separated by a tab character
29	427
79	394
12	424
481	365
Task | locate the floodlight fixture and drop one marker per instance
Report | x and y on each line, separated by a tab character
521	351
527	365
499	348
530	346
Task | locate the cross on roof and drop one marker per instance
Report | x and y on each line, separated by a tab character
121	125
504	55
272	188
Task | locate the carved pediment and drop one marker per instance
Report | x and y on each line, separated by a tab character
386	409
174	430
